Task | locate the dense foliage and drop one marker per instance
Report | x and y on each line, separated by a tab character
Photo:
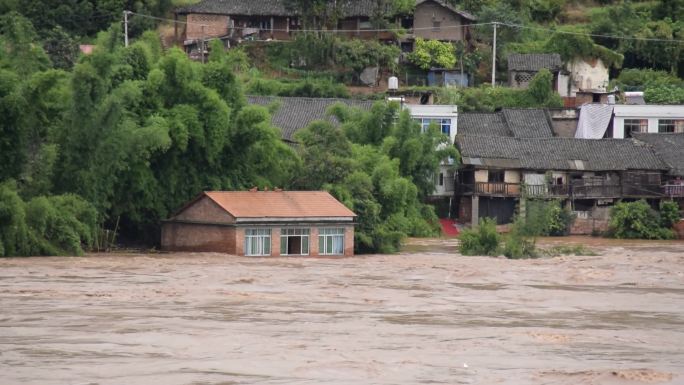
52	225
638	220
486	98
518	244
433	54
543	218
481	240
378	165
134	132
131	133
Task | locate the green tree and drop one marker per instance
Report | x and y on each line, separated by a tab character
433	53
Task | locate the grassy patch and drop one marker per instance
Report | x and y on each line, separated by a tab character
568	250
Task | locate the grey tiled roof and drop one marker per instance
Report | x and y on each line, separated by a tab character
295	113
520	123
528	123
482	124
534	62
668	147
445	4
559	153
349	8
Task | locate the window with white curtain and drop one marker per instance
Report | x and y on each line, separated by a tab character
331	241
257	242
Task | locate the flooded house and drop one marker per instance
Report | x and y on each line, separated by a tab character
513	156
262	223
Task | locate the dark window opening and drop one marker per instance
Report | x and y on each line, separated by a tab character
496	176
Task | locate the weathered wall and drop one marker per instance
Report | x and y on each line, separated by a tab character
198	237
215	26
588	226
679	229
429	12
564	121
481	176
587	75
205	210
512	176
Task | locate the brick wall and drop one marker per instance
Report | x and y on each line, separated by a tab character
679	229
430	12
205	210
225	239
215	26
349	241
198	237
588	226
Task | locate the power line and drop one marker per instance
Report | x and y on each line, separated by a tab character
312	30
593	34
421	29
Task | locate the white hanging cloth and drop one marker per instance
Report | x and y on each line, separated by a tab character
593	121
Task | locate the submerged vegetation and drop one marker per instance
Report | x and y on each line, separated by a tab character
131	133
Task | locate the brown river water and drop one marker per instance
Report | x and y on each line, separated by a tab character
425	316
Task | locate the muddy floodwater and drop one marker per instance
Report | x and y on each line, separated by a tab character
425	316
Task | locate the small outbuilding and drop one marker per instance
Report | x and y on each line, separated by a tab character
262	223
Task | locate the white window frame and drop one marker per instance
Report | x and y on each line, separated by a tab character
442	123
258	239
287	233
630	124
331	240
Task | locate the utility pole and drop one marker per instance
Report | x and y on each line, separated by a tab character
494	57
125	28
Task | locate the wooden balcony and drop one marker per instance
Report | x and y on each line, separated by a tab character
545	191
582	191
674	190
490	189
575	190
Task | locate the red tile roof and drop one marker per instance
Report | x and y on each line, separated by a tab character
279	204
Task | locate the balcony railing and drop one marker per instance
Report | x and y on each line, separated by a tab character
674	190
596	190
576	190
487	188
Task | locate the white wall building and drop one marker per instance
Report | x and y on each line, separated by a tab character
446	117
647	118
585	75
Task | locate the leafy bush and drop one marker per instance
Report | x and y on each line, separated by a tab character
313	88
433	53
490	99
54	225
517	245
544	218
545	10
639	221
631	79
482	240
669	214
664	94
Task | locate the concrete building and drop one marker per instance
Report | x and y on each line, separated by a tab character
446	118
646	118
262	223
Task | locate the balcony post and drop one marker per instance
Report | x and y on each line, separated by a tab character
475	210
